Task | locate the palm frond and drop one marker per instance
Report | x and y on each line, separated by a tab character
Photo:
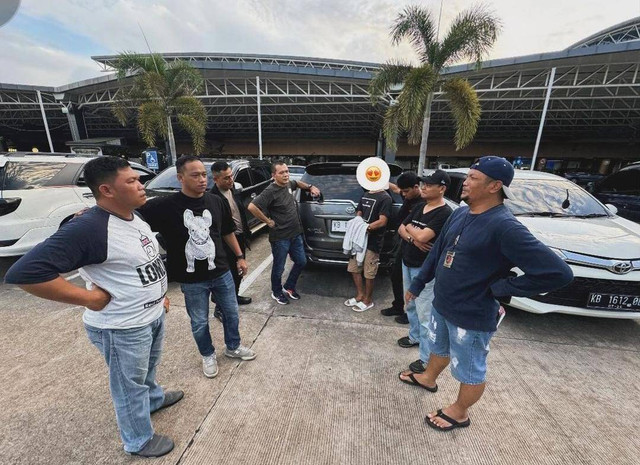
390	73
152	121
192	117
134	63
471	35
183	79
418	84
391	126
465	108
416	24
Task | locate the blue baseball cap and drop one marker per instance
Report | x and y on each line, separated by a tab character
497	168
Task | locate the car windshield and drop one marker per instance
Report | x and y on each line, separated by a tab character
339	187
554	198
167	180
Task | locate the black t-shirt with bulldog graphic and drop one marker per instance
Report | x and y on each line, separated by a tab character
192	229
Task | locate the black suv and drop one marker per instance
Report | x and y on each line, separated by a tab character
622	189
324	220
251	178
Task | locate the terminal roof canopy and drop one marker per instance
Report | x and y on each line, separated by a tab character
595	94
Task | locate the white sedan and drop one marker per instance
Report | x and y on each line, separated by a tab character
602	249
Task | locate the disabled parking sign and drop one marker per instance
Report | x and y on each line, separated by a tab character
151	158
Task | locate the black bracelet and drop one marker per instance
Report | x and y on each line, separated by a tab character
240	257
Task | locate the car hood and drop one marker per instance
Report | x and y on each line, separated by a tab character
601	237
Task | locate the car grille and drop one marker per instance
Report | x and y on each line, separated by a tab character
577	292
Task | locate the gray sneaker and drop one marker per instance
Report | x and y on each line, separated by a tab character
242	352
157	446
210	366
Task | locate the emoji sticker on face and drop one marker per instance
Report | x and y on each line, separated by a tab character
373	173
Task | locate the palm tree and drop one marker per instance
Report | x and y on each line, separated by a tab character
160	91
470	36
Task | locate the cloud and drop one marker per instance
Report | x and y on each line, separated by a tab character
341	29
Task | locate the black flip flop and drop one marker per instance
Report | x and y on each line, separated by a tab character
415	382
452	423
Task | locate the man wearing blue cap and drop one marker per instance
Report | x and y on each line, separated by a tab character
471	262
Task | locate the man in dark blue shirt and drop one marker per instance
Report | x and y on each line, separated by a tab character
471	262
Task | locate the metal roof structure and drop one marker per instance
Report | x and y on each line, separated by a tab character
595	94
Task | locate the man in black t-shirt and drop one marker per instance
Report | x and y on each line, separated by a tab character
407	185
375	209
194	224
423	225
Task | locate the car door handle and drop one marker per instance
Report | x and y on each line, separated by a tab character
88	195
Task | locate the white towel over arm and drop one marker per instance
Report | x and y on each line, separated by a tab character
355	239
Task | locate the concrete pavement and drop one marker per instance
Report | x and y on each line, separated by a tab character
324	388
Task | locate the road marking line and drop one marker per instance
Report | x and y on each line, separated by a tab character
248	281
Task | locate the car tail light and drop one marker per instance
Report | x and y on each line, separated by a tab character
9	205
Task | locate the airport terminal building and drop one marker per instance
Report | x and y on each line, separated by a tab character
315	109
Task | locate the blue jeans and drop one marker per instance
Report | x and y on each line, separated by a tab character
132	356
467	349
418	311
295	248
196	299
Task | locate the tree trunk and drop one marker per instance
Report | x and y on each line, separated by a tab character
172	143
425	134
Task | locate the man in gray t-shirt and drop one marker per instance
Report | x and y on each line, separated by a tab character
277	207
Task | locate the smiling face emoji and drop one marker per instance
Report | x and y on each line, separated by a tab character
373	173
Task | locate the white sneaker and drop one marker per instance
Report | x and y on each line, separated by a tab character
362	307
350	302
210	366
242	352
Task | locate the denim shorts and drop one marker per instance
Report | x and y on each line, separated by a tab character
467	349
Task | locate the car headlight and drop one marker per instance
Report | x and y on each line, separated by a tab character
559	253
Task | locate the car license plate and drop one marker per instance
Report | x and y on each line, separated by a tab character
614	301
338	226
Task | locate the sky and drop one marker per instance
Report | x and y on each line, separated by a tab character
50	42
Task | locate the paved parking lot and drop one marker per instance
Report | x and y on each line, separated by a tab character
324	388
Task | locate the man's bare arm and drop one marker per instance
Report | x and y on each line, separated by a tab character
255	211
61	290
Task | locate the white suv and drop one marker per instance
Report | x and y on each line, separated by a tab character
39	193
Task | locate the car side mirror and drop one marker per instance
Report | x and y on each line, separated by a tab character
612	208
237	187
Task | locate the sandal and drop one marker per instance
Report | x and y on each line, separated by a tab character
452	423
414	382
350	302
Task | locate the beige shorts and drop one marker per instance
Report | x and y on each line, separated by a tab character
370	265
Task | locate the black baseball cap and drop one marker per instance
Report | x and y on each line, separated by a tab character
439	177
497	168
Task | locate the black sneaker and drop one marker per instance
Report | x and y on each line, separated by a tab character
405	342
402	319
157	446
291	293
392	311
418	366
281	299
217	314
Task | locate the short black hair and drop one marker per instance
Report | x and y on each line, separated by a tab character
407	179
102	169
219	167
183	160
275	165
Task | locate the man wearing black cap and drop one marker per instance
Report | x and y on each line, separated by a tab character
422	225
471	262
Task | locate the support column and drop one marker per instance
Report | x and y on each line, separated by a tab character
44	119
389	155
259	117
552	75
